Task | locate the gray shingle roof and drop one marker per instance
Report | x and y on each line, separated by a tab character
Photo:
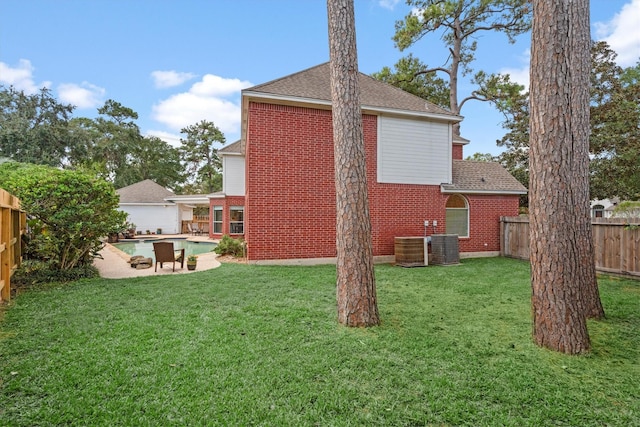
234	148
482	177
145	191
314	84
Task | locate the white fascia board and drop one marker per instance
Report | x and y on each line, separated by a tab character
183	200
327	105
411	113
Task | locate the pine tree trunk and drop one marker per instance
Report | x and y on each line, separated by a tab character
356	291
562	257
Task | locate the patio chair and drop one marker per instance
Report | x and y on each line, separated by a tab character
166	253
195	228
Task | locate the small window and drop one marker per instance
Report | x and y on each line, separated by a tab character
597	211
217	219
457	216
236	224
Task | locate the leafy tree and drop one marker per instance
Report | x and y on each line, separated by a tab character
34	128
158	161
116	134
563	279
37	129
615	130
409	76
460	23
356	290
482	157
112	147
200	153
614	122
70	212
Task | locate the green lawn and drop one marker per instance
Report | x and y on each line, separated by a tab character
246	345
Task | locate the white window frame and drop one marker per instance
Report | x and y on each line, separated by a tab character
449	223
217	224
236	227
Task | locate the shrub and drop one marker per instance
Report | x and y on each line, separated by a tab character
230	246
35	272
69	212
627	209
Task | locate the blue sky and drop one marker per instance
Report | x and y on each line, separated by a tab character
178	62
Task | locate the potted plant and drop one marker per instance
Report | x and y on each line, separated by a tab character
130	232
192	260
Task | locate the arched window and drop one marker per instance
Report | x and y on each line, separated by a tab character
457	216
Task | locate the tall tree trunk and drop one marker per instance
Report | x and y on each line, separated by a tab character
453	71
356	290
562	257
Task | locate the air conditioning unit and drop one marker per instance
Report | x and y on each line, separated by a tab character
444	249
409	251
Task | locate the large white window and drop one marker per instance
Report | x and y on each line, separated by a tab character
457	215
236	224
217	219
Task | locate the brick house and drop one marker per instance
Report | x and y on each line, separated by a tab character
278	179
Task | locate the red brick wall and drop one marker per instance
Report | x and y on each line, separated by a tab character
226	203
287	149
285	217
457	151
484	221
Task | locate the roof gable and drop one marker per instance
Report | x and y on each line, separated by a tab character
314	85
145	191
234	148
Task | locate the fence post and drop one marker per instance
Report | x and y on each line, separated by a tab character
11	229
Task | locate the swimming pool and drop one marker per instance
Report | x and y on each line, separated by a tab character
145	247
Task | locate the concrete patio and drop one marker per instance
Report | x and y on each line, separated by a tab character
114	265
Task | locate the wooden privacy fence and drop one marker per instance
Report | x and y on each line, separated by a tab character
12	225
616	242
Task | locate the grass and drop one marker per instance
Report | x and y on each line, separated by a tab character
247	345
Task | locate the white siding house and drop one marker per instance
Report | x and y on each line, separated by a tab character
233	170
153	208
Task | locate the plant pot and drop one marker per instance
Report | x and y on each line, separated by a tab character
191	265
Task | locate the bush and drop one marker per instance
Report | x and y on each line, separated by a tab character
33	273
230	246
69	212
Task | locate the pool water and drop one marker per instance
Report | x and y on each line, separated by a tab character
145	247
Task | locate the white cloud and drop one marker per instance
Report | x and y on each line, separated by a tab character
165	79
388	4
21	77
520	75
84	95
171	138
622	33
214	98
218	86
